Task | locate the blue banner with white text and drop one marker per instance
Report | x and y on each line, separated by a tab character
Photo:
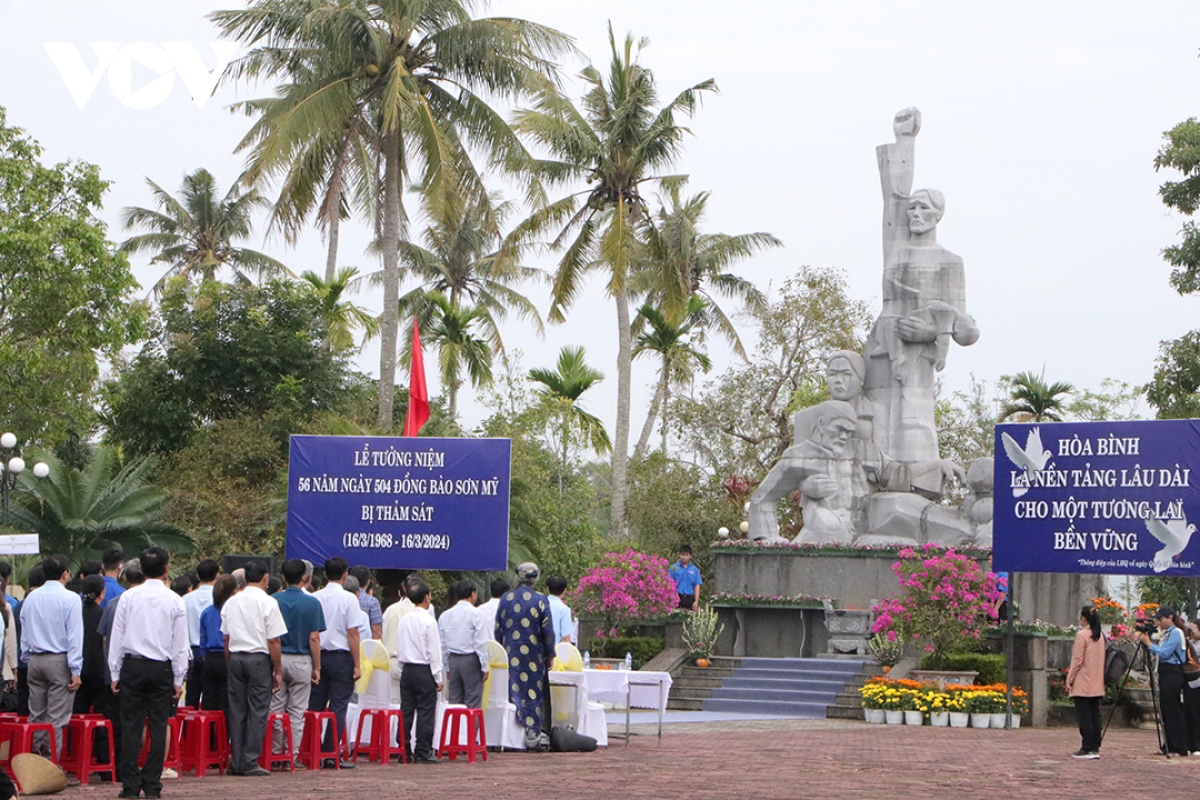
399	502
1117	498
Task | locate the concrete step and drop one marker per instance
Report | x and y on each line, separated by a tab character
696	683
683	703
798	684
804	664
776	695
755	673
842	712
799	710
710	672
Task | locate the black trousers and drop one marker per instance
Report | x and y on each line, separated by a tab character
95	696
23	690
7	787
1170	701
418	701
686	601
147	694
195	680
335	688
1191	711
1087	713
214	696
249	704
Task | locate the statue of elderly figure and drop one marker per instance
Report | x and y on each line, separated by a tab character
834	470
924	308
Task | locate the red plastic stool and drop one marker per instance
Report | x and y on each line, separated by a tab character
269	758
312	752
380	746
19	736
204	742
172	758
472	721
79	749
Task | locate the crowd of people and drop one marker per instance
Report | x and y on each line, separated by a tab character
121	638
1177	670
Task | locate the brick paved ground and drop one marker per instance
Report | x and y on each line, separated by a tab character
764	759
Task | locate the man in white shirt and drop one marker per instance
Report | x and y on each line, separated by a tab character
560	613
419	651
487	611
148	657
339	649
464	647
391	619
252	625
194	602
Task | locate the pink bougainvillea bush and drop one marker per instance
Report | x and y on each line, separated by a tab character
624	588
947	601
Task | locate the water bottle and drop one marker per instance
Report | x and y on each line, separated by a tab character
587	659
628	661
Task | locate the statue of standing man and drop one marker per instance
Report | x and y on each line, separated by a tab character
924	308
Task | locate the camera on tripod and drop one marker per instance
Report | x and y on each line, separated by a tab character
1145	626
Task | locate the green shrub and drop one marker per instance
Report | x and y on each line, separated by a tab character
991	668
642	648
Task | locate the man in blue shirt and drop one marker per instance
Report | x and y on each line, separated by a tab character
686	576
53	642
301	651
113	561
367	602
560	613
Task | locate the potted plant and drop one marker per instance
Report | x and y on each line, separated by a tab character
947	598
956	709
934	703
886	648
892	701
914	710
872	701
982	704
700	633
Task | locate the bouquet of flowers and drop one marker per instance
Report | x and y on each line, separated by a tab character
1111	612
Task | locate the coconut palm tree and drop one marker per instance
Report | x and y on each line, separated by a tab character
1033	400
465	260
423	73
679	358
682	263
197	233
341	316
617	143
83	512
562	388
449	329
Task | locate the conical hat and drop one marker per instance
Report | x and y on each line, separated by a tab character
37	775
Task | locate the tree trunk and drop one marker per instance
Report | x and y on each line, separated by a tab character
648	428
620	452
666	399
333	230
389	323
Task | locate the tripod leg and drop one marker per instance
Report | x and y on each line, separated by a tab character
1154	700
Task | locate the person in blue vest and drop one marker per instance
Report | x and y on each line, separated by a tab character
686	576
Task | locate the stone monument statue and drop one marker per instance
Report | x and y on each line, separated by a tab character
924	307
867	462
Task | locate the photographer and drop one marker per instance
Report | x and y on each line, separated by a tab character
1171	658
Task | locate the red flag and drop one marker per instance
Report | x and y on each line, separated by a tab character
418	394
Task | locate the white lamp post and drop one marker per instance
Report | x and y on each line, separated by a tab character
12	465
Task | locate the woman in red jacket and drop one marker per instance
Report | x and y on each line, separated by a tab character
1085	681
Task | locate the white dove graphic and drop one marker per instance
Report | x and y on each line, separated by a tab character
1032	459
1174	535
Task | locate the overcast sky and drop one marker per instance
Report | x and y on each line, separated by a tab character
1041	122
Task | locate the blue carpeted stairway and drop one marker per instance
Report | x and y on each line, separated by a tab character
788	687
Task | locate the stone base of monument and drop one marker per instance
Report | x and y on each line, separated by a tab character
853	580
